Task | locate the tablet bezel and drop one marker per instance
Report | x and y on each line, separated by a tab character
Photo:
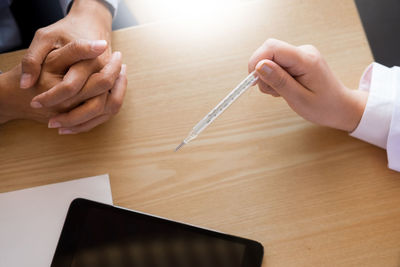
79	207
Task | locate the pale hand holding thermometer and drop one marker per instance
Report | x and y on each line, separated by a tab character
248	82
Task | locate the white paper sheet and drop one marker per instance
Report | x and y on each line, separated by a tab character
31	220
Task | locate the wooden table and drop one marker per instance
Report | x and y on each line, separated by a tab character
312	196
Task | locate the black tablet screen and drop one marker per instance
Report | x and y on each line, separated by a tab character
122	241
109	237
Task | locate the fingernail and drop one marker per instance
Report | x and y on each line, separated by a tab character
26	79
54	124
123	69
117	55
265	69
99	45
36	104
64	131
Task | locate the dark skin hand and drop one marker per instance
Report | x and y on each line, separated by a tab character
87	19
87	109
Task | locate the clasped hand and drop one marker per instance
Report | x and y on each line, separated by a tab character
54	99
64	79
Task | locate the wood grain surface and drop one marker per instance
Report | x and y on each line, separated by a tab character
312	196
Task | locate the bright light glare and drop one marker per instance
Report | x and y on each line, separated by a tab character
190	8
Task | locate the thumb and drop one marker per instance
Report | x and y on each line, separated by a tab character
78	50
281	81
32	61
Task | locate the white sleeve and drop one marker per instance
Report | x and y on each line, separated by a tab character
111	4
380	123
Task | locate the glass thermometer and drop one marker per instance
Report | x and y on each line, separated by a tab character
248	82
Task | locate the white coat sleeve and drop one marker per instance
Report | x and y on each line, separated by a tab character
380	123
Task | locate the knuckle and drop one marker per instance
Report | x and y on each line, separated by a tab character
313	56
106	82
71	87
29	60
75	46
280	82
99	63
65	105
115	107
96	108
310	48
271	42
42	33
99	109
314	60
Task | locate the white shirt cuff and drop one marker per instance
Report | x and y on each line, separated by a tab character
393	144
375	123
112	4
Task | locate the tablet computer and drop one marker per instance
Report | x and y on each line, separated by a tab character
96	234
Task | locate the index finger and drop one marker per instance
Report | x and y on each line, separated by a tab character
31	63
71	85
61	59
77	86
288	56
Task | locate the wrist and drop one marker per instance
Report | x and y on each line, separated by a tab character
9	109
356	102
95	10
